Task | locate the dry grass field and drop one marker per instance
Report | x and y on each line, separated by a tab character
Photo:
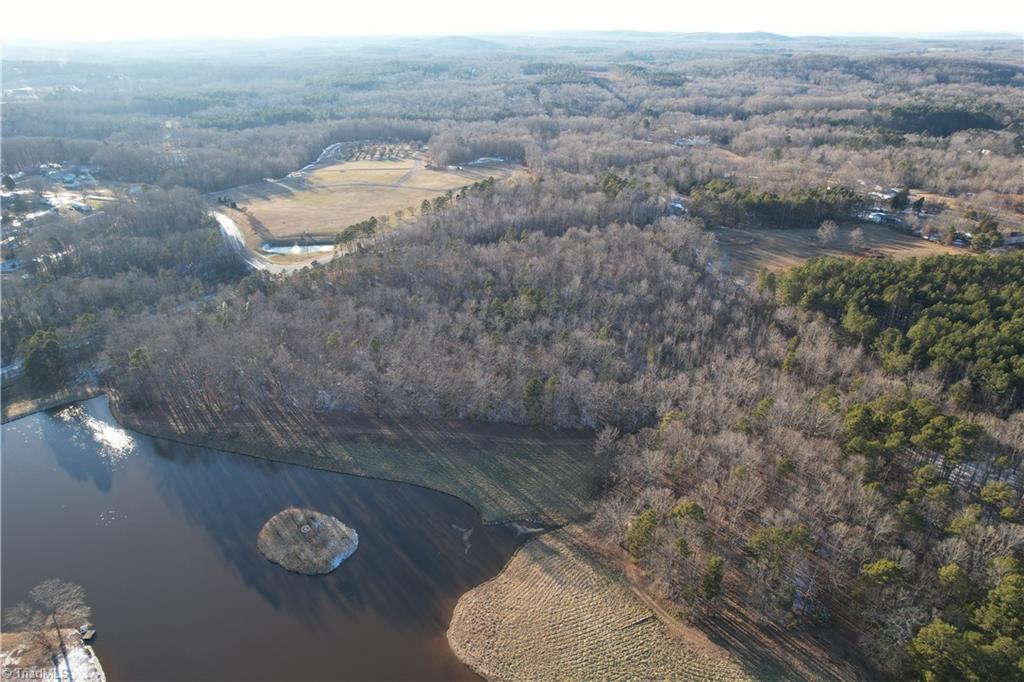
322	201
747	251
556	613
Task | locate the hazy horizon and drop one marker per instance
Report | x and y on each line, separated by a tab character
121	21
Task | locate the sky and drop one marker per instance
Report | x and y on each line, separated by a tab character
104	20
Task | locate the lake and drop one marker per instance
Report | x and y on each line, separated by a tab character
162	536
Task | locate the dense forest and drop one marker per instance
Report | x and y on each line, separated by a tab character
157	252
962	317
838	445
867	114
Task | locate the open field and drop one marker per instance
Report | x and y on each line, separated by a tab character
321	202
747	251
557	613
505	472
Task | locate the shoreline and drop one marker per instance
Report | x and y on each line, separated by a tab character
462	643
15	410
81	662
88	655
491	511
154	429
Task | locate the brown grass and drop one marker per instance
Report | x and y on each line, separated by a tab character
750	250
306	541
326	200
557	613
21	399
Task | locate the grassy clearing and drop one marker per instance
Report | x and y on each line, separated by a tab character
21	400
556	612
748	251
505	472
324	201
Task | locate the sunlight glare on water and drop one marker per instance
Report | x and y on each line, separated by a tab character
114	442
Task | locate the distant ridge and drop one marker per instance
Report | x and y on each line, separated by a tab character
460	42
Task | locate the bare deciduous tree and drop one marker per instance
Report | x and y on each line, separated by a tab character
857	240
827	232
54	606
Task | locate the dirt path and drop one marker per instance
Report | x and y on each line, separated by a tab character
415	167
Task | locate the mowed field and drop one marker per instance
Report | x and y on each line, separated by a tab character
324	201
747	251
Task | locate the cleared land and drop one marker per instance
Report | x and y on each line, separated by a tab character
556	613
748	251
322	201
505	472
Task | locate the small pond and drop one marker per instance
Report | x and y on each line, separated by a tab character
297	249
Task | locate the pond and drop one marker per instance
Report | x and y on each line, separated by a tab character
162	536
297	249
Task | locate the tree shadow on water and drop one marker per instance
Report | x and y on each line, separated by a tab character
419	550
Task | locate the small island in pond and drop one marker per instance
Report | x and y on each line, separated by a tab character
306	541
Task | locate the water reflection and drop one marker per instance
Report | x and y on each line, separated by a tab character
113	442
87	448
405	573
169	553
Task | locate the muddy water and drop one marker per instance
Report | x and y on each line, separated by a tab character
162	536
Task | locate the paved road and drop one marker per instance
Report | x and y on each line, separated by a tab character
233	236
